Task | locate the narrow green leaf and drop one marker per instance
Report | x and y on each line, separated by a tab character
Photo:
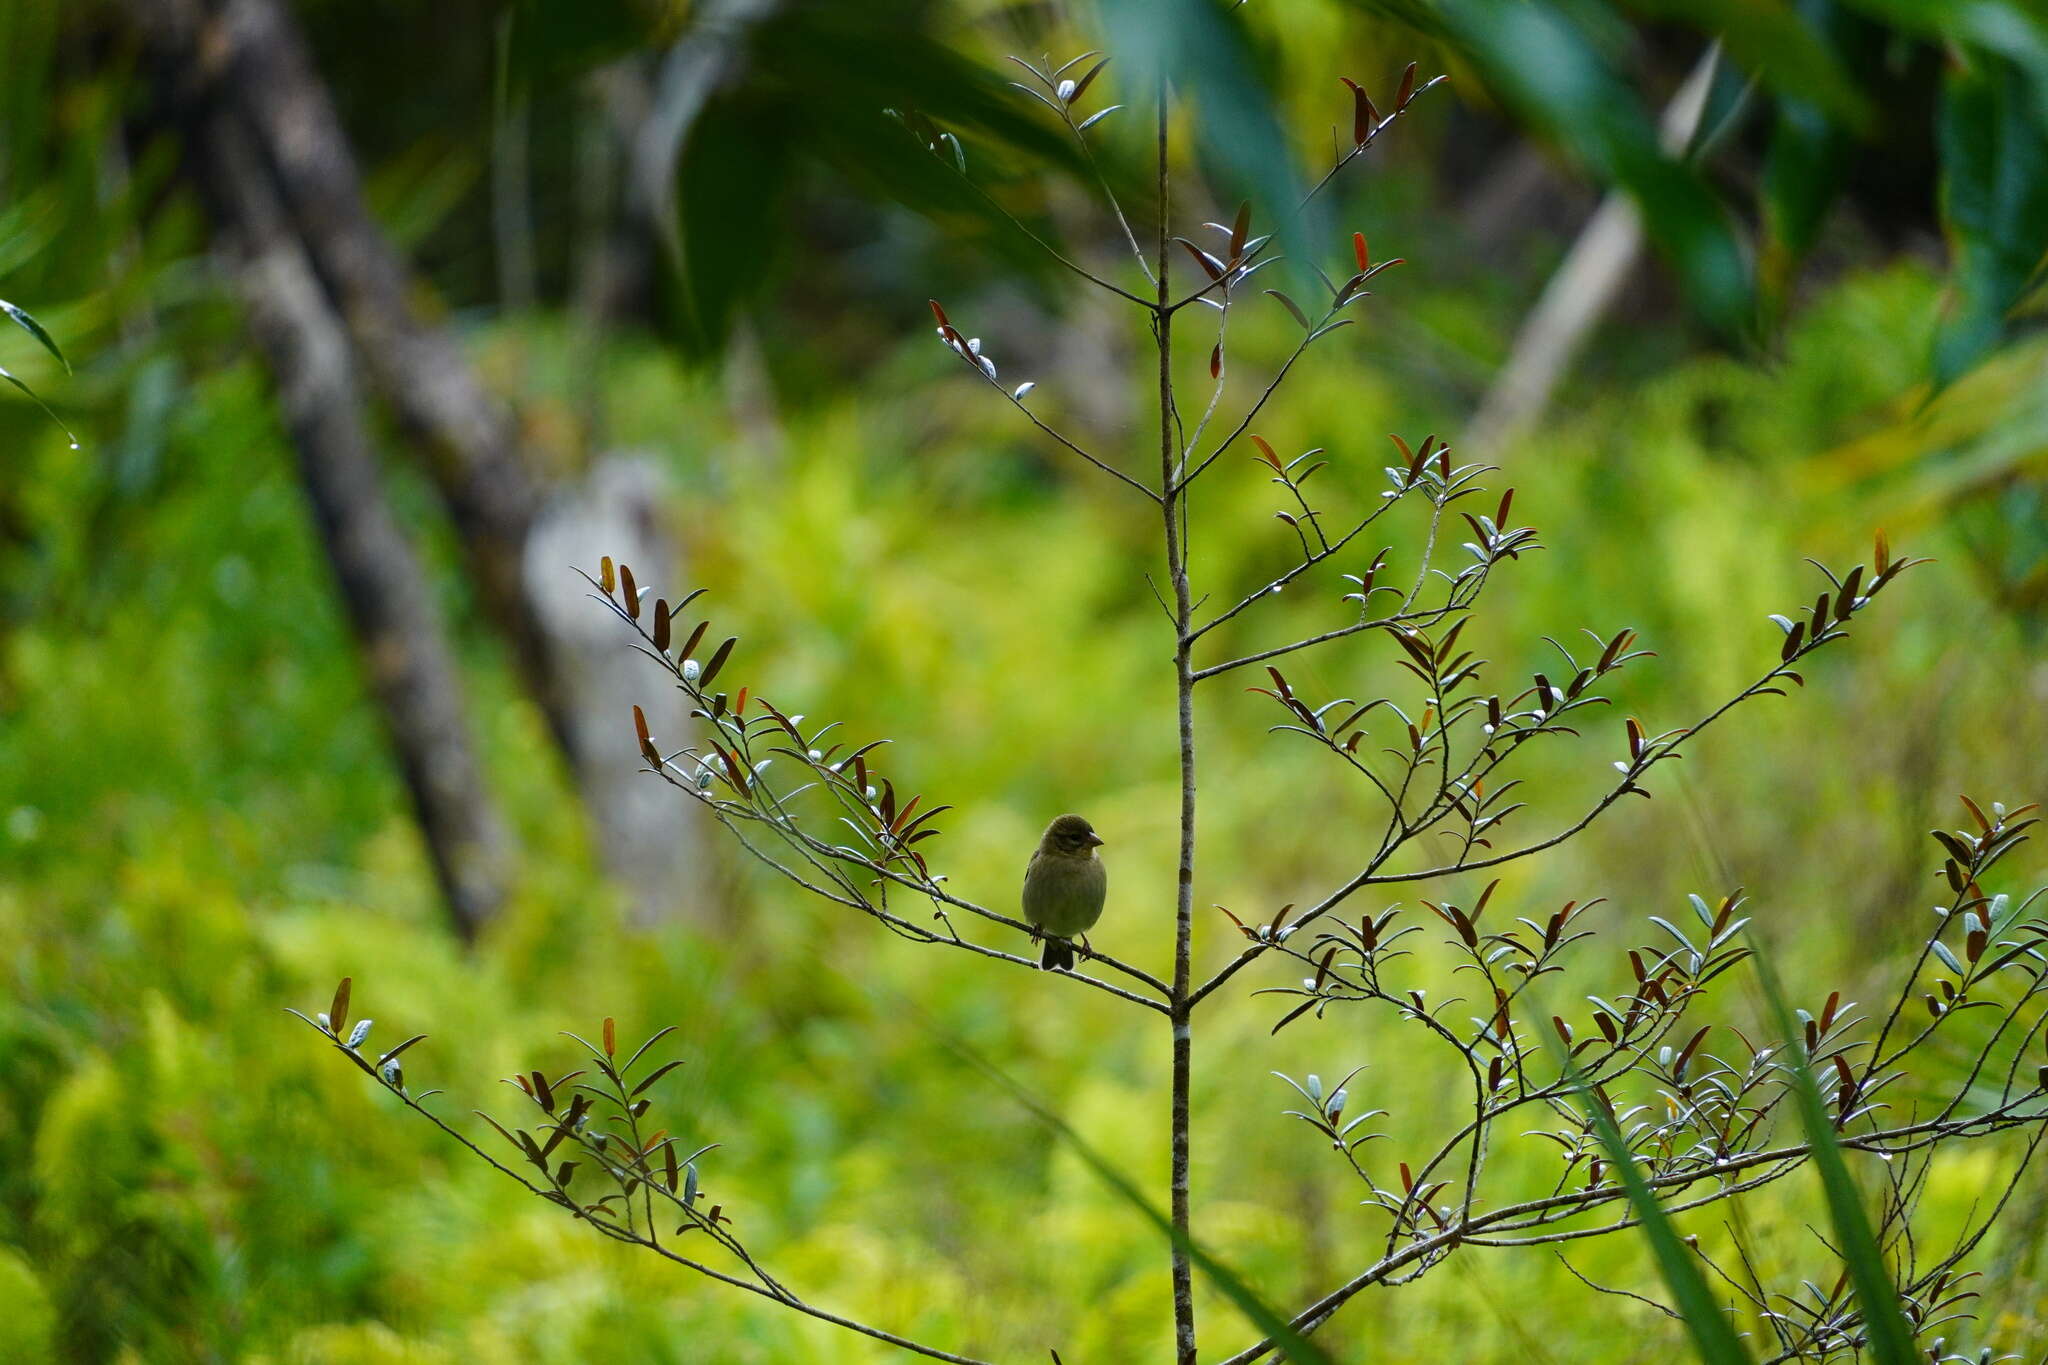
656	1074
37	399
35	329
1289	1344
1884	1321
1713	1337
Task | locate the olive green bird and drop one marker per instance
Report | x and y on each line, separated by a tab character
1064	886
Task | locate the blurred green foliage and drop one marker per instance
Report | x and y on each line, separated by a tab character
199	824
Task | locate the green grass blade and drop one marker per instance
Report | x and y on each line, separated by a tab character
35	329
37	399
1884	1321
1713	1337
1287	1342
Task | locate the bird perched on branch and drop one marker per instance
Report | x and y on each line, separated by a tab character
1064	886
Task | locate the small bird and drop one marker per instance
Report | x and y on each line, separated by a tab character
1064	886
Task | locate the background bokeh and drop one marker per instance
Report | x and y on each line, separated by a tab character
200	822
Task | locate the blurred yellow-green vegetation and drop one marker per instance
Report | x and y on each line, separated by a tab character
200	823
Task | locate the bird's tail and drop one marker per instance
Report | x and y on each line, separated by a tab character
1058	955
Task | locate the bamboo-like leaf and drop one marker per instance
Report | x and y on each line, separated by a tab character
1576	94
1994	203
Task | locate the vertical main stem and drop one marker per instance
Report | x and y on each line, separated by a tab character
1184	686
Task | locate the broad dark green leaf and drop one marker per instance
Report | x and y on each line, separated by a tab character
2014	29
1803	171
816	85
1777	43
1994	204
731	187
1552	75
553	42
1806	159
1212	62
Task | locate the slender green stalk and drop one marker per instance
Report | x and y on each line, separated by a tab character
1172	502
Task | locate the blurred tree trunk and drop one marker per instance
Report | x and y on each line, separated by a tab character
475	458
250	56
640	828
397	624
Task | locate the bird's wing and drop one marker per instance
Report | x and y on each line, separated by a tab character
1030	864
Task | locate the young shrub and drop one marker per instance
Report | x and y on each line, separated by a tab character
1653	1106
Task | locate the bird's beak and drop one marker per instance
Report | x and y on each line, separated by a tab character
1095	841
